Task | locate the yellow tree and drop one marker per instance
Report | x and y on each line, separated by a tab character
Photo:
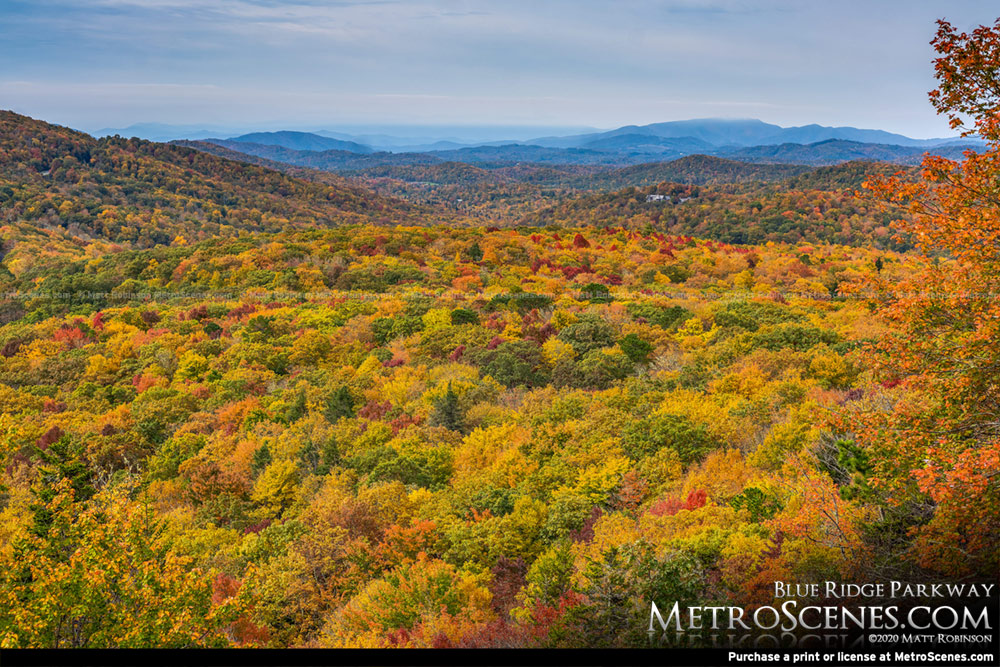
92	574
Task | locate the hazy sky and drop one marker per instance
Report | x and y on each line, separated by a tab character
97	63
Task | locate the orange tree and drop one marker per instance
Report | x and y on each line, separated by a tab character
930	426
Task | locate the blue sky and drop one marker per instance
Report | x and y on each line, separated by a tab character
305	63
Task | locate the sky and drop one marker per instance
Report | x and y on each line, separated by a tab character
270	64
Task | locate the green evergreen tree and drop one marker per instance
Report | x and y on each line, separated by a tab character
261	459
60	460
297	409
319	459
448	412
340	404
635	348
329	456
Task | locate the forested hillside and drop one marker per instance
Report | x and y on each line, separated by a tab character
694	169
835	151
822	206
139	192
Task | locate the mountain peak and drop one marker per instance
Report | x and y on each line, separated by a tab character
301	141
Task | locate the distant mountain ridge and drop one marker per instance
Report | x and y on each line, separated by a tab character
619	151
747	140
722	132
301	141
629	144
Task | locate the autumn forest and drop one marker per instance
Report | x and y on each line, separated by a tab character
249	403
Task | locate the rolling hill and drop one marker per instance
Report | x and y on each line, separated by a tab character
143	193
816	206
835	151
692	169
301	141
330	160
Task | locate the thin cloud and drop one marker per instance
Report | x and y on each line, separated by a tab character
583	62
